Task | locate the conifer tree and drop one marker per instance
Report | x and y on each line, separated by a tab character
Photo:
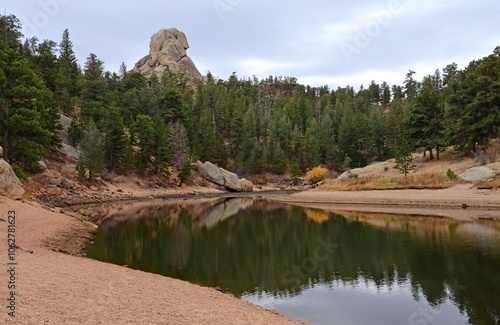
29	119
115	140
143	130
91	150
404	157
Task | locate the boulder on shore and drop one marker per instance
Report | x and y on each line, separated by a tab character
10	186
478	174
212	173
223	177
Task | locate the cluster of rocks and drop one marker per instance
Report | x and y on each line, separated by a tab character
167	50
10	186
225	178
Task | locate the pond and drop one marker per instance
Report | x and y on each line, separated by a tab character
321	267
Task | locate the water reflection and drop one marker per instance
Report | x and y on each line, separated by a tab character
319	266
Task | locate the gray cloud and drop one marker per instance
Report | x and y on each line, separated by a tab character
307	40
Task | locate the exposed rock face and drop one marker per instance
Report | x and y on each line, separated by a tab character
212	173
167	49
9	183
66	147
478	174
225	178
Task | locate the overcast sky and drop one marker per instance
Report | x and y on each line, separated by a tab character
320	42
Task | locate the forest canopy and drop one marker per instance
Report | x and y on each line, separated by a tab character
250	125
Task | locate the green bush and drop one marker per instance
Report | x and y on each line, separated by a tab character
185	172
20	172
451	174
355	176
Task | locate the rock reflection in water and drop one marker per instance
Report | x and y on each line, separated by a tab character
265	251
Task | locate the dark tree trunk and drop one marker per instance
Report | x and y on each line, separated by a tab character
437	153
431	155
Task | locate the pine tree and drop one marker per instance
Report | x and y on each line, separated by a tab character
94	95
475	104
279	160
115	140
143	131
68	81
29	118
185	172
91	150
161	146
404	157
10	31
425	123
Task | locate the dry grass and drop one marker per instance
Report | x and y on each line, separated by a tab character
489	185
416	181
429	174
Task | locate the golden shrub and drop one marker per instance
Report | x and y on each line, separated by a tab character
316	174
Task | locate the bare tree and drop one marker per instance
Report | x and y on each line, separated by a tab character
179	144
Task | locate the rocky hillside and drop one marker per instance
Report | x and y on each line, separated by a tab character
168	49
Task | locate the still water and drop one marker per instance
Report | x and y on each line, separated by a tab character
321	267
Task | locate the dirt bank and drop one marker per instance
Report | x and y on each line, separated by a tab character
52	287
462	202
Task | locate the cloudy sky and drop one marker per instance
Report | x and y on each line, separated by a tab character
320	42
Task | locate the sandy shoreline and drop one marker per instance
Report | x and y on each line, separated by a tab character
54	287
57	288
461	202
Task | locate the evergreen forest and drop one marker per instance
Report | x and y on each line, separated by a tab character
124	122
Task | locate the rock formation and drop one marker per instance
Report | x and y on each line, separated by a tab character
478	174
66	147
225	178
9	183
167	49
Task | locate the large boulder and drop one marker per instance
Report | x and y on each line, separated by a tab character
231	180
10	186
168	50
478	174
246	185
212	173
223	177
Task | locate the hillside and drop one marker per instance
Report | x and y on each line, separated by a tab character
430	174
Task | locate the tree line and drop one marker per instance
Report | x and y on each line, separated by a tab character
123	121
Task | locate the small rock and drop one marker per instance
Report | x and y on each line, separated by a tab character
219	289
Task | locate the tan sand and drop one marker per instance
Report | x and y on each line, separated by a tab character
57	288
461	202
